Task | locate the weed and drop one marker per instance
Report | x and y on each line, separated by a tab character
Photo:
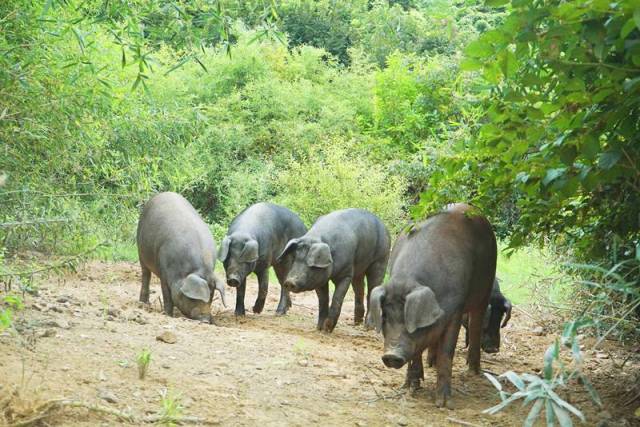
171	407
12	303
543	392
144	359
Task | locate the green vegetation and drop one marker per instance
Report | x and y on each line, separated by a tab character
527	109
171	407
542	393
144	360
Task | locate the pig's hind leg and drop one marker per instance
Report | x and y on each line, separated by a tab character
358	290
474	334
285	298
144	289
166	298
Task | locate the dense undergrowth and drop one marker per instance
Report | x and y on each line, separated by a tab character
528	109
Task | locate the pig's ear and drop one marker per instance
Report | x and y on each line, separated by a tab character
421	308
224	248
319	255
293	243
249	251
507	312
196	287
375	307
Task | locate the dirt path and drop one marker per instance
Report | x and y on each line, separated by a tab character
261	370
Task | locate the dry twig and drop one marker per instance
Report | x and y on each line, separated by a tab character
48	408
461	422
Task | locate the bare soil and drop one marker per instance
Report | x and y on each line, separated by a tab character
80	336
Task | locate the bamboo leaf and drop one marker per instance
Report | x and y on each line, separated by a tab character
534	413
493	381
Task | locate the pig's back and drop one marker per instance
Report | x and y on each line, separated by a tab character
354	230
172	236
452	254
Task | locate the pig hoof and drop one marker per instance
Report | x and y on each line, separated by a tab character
412	385
443	402
239	313
281	312
472	372
257	310
328	326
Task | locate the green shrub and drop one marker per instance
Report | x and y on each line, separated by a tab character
336	177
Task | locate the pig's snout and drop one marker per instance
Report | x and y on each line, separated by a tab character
205	319
490	349
233	281
392	360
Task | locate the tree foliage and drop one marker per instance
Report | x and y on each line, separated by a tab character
562	125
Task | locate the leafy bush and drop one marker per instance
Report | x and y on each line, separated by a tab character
336	177
323	24
560	134
386	28
90	155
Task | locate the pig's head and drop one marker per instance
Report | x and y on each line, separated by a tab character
238	253
409	317
497	316
312	264
193	296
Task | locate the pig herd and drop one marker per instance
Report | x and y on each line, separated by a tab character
441	274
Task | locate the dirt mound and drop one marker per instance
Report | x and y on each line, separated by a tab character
81	336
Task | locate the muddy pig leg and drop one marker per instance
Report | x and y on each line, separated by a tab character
415	373
263	288
166	298
323	304
144	289
358	290
240	290
336	304
474	333
444	361
285	299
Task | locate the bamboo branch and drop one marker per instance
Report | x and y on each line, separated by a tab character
63	264
34	222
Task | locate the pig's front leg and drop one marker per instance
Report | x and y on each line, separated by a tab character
336	304
323	304
415	373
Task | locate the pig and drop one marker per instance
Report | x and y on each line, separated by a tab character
255	239
444	267
344	247
176	245
497	316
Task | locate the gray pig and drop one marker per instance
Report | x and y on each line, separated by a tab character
344	247
443	268
176	245
254	240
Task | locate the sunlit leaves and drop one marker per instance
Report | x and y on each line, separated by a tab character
563	82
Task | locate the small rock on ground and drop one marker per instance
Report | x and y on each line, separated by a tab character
107	396
58	323
538	330
167	337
